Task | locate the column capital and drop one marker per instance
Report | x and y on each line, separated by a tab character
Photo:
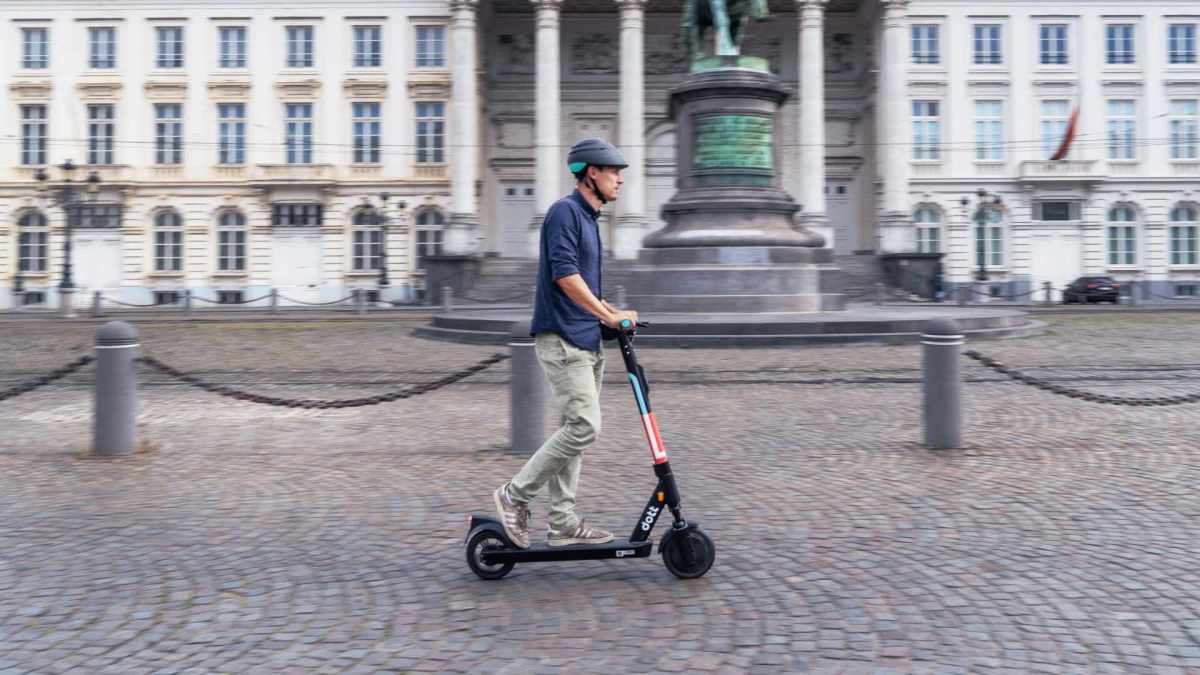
456	5
631	4
539	5
802	5
895	5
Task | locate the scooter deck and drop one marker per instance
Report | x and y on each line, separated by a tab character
617	548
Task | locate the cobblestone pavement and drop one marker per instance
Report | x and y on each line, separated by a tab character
252	539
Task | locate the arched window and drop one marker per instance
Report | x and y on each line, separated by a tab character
368	240
1183	234
928	222
168	242
32	242
989	238
430	230
231	241
1122	235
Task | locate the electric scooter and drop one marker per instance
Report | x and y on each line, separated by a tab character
686	550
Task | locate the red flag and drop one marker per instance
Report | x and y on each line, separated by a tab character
1067	137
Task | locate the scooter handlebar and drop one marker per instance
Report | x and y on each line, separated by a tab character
627	325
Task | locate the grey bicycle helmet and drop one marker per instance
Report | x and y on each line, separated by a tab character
593	152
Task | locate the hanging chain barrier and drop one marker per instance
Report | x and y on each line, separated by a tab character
136	304
1018	376
315	304
239	302
1014	296
523	294
322	405
39	382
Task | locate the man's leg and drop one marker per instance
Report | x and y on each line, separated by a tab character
572	375
564	485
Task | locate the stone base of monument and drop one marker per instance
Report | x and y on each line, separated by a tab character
737	279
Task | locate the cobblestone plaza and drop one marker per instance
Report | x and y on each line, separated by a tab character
255	539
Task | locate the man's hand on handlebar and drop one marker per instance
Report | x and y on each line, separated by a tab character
618	315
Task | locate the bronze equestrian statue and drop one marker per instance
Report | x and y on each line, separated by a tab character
727	18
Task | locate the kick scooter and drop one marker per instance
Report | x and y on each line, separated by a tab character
686	550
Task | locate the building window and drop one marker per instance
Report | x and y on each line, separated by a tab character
229	297
925	44
366	133
929	227
232	47
296	215
35	50
1181	43
1053	44
102	123
1183	235
987	44
1185	290
926	130
168	133
170	47
102	44
989	240
1118	41
429	235
298	140
1056	211
1055	116
168	242
368	46
368	241
431	129
34	132
431	46
231	242
1122	236
231	132
1185	129
92	216
300	47
989	130
1122	129
32	242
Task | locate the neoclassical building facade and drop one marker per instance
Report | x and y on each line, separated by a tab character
244	146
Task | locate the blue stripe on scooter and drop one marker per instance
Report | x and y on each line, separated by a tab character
637	390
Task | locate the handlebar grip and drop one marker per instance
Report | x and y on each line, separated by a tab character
625	324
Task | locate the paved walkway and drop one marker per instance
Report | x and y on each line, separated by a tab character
250	539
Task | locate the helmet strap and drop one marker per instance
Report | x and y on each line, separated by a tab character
595	189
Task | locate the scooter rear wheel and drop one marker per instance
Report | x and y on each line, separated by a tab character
688	554
475	547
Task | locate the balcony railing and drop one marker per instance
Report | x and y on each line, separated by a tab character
1062	170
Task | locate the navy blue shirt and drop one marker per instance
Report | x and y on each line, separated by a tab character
570	244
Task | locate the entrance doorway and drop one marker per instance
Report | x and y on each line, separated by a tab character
296	265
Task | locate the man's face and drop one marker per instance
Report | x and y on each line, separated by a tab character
608	181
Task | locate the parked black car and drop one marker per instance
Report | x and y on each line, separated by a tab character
1092	289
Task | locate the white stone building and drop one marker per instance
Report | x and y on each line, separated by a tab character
236	140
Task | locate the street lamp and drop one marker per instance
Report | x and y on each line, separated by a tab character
982	208
380	219
66	196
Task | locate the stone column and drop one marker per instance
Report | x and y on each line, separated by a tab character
550	157
811	15
631	225
462	231
894	114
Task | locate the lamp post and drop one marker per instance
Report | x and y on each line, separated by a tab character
982	208
380	219
66	197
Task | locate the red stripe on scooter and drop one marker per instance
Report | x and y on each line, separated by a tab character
657	449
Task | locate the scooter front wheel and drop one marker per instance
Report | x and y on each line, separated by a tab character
475	547
688	553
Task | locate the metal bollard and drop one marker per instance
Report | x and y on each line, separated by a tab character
942	384
527	398
95	304
114	426
447	299
360	300
274	300
878	293
1049	288
963	294
187	302
1132	294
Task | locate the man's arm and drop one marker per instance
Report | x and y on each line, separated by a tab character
579	293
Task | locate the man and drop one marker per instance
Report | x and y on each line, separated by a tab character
566	324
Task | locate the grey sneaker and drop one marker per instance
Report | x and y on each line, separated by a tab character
514	516
580	534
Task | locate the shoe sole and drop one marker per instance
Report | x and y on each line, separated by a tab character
569	542
504	521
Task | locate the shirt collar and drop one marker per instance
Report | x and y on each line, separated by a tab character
579	199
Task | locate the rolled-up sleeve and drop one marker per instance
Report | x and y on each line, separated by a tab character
562	242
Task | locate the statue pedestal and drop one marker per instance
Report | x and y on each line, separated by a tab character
731	243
